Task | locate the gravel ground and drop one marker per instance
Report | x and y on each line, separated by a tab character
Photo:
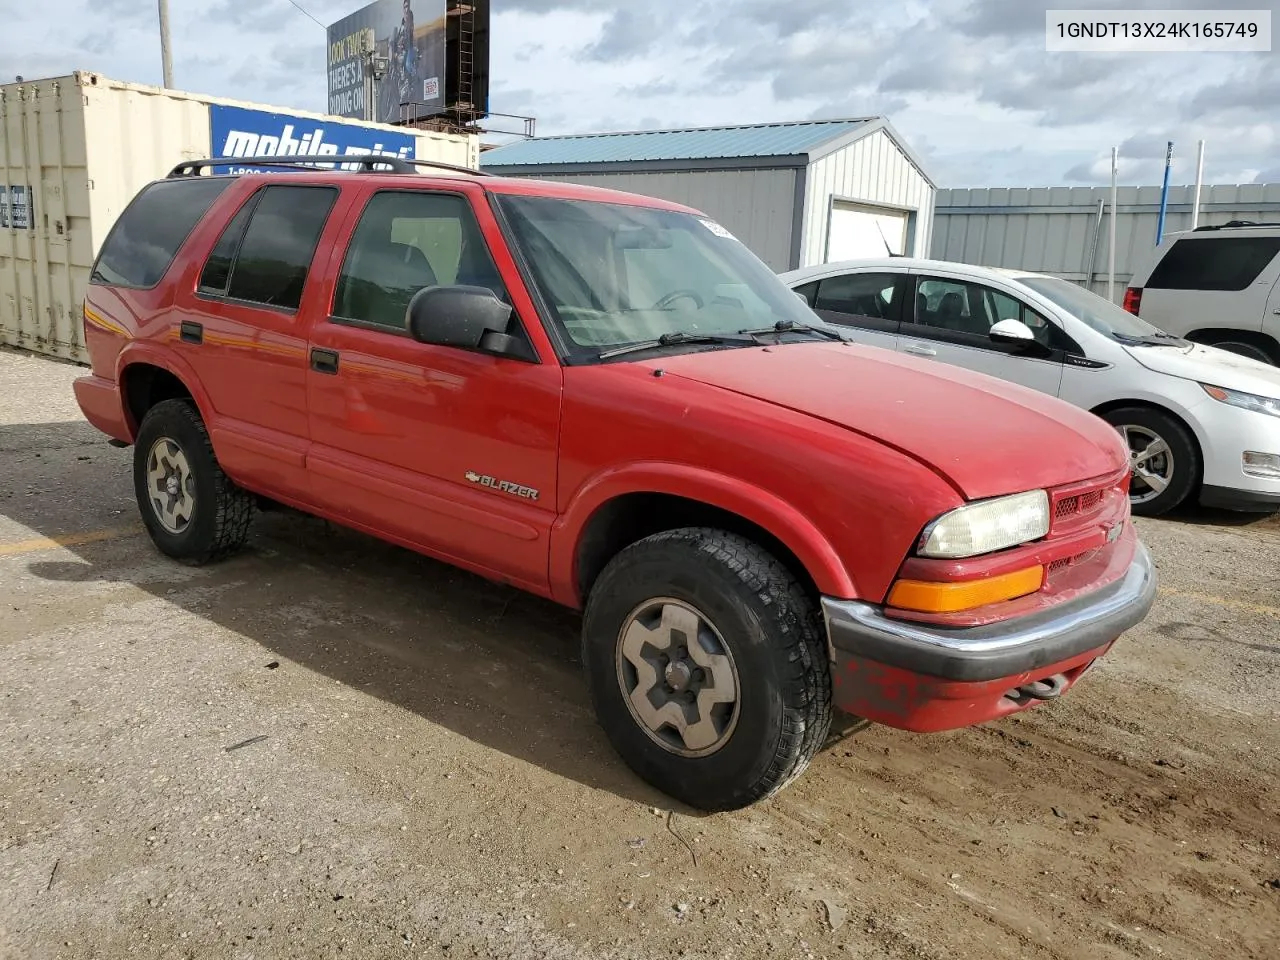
328	747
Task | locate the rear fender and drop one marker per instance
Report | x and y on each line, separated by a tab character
761	507
142	351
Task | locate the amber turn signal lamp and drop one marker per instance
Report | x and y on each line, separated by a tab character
931	597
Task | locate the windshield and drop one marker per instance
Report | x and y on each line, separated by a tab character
615	275
1098	312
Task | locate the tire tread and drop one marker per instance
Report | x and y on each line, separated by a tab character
233	506
807	695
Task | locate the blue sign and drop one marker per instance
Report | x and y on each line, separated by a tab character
241	132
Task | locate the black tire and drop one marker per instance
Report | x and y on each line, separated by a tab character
1255	346
1188	465
771	630
221	512
1241	348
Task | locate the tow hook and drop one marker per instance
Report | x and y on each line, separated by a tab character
1046	689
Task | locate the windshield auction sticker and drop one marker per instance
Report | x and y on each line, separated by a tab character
715	228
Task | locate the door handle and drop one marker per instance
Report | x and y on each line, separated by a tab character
324	361
191	332
920	350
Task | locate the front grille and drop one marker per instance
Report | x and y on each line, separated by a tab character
1064	563
1074	508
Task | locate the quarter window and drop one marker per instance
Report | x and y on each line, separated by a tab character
1222	263
405	241
146	237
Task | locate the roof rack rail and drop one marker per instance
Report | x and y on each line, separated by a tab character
413	161
192	168
1234	224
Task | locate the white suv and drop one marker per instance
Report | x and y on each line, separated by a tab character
1215	285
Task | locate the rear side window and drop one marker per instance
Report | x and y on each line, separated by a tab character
859	294
1220	263
146	237
265	252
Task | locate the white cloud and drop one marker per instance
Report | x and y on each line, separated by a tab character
968	82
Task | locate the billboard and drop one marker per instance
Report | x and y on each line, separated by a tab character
242	132
410	35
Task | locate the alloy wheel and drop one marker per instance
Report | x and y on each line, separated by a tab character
171	486
1151	461
678	677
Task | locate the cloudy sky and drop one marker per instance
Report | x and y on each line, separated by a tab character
967	82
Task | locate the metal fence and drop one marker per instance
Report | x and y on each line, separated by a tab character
1064	231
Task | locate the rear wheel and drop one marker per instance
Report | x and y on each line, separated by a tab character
1163	456
707	667
1243	343
191	509
1250	350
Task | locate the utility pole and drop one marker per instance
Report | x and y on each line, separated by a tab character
1195	200
1111	251
165	57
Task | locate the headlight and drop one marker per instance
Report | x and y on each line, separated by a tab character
1245	401
987	526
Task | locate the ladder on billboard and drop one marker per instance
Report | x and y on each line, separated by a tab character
465	12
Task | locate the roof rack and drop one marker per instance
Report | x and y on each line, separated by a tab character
1233	224
192	168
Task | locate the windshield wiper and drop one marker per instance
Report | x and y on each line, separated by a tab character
1154	340
790	326
675	338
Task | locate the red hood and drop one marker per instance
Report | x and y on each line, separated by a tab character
986	436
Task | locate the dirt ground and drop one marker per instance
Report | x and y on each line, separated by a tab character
328	747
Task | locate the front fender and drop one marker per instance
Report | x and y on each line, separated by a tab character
752	503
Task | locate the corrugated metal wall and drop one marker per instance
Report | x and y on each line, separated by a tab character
870	170
1053	229
756	206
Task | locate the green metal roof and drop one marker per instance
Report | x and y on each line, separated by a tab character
710	143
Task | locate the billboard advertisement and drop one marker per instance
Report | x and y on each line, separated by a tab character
410	36
242	132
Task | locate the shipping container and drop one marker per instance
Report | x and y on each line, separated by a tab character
74	150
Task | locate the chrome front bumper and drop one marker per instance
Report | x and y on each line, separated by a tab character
1004	649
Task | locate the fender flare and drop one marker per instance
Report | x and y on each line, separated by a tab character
141	351
766	510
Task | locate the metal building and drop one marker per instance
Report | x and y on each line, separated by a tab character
1064	231
795	193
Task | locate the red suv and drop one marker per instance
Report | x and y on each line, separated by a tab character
606	400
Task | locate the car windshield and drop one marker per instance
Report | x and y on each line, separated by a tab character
615	275
1089	308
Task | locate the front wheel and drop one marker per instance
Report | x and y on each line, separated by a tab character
191	509
1163	456
707	667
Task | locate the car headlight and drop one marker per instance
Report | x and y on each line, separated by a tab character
987	526
1245	401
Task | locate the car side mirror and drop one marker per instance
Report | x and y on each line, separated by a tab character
468	318
1013	333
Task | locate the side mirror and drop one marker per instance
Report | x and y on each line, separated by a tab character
1012	333
469	318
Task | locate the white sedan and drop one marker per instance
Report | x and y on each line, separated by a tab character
1199	421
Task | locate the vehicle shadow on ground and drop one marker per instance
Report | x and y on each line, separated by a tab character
1215	517
491	663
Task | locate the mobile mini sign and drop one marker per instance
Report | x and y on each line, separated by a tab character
241	132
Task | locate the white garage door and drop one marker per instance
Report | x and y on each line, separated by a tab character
857	232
